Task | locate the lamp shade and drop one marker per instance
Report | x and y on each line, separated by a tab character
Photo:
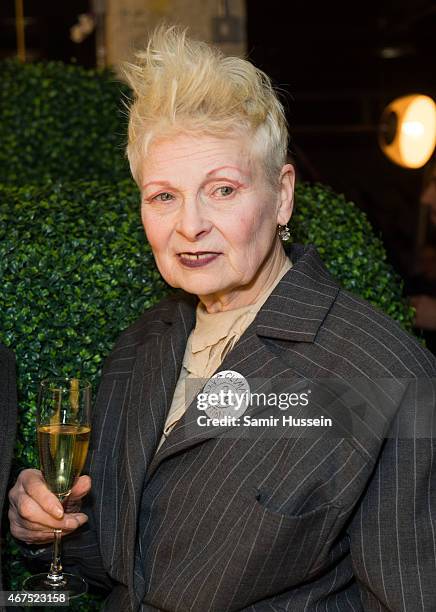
407	132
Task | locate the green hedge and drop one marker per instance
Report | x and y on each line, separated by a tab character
75	269
62	122
350	249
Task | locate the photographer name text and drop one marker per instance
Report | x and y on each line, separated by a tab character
272	421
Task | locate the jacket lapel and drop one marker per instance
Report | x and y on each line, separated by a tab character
154	378
293	312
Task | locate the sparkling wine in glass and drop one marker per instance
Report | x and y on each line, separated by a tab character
63	431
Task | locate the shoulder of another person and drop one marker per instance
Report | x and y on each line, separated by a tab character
7	375
6	354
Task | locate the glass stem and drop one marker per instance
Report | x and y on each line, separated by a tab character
55	575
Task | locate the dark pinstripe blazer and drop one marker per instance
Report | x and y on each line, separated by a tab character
8	421
224	524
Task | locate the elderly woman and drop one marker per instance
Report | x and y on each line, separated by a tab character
220	518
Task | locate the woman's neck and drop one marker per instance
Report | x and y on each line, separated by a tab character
250	293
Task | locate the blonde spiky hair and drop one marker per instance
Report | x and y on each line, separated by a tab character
185	85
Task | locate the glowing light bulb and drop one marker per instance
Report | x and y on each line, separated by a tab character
407	133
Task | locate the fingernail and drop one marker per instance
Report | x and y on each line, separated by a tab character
59	512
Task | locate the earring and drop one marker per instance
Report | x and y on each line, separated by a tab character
283	232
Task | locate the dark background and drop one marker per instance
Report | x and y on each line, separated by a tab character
48	24
331	60
338	64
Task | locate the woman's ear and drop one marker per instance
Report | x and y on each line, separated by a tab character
286	195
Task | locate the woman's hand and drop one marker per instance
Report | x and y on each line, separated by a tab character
35	511
425	317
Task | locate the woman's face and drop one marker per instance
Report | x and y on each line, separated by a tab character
210	215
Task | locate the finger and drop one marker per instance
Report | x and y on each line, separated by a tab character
16	520
36	488
31	511
17	490
73	521
70	523
36	530
81	488
32	537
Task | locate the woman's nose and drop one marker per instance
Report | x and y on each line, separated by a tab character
192	222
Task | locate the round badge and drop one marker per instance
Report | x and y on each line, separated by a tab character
228	394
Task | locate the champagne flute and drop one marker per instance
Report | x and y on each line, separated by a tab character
63	431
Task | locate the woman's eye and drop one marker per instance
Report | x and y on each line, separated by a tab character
225	190
163	197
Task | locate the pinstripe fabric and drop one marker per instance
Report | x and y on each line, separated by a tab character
224	523
8	422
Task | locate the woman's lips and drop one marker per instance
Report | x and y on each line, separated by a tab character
197	260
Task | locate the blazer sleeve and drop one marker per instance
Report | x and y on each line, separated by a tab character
392	535
8	422
8	416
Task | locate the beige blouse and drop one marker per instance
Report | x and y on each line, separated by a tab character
213	336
